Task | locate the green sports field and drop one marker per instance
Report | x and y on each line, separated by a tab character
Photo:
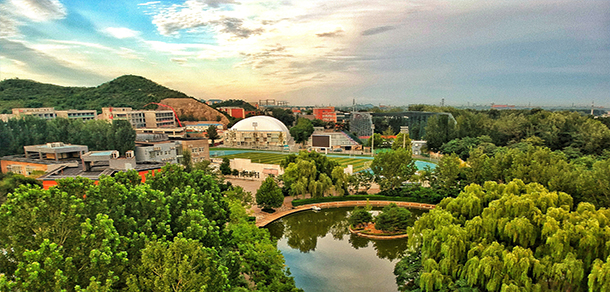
275	158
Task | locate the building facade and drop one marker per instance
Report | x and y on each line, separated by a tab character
200	149
236	112
326	114
141	118
258	132
163	152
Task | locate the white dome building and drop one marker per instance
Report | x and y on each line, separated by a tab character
258	132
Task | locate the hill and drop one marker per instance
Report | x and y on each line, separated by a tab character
194	110
235	103
125	91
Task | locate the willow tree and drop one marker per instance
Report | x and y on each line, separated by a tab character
513	237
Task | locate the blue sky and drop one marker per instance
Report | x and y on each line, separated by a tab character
320	52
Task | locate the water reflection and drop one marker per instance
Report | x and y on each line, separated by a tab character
303	230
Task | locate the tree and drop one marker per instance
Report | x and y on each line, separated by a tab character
213	133
302	130
341	180
187	161
269	195
394	167
285	116
506	236
123	136
393	219
439	130
359	216
225	167
401	139
377	139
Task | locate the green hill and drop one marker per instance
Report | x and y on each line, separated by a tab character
125	91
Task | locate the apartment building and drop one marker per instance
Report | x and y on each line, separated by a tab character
141	118
326	114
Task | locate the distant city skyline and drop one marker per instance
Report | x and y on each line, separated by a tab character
319	52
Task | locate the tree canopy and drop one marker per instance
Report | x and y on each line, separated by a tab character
393	167
302	130
509	237
176	232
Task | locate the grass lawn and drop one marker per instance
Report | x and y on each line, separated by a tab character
275	158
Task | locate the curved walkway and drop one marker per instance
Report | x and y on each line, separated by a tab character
272	217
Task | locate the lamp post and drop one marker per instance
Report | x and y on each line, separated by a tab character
372	139
254	125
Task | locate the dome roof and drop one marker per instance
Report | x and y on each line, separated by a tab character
261	123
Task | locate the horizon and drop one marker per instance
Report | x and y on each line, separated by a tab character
543	53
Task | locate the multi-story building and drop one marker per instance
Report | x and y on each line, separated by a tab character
158	151
200	149
202	126
43	158
141	118
326	114
51	113
84	115
41	112
236	112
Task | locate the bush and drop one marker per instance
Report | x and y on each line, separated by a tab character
269	195
359	216
393	219
235	172
224	167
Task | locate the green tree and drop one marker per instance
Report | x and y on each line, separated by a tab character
439	130
503	237
393	219
187	160
269	195
359	216
213	133
122	136
302	130
285	116
225	167
377	139
401	139
341	181
394	167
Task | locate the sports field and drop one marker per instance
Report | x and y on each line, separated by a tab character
275	158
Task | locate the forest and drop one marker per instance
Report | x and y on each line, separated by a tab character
179	231
125	91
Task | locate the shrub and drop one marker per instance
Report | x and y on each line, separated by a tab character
393	219
269	195
359	216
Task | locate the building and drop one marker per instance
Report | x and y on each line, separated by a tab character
6	117
141	118
95	164
258	132
202	126
334	141
416	146
172	133
41	112
236	112
43	158
158	150
213	101
200	149
326	114
84	115
50	113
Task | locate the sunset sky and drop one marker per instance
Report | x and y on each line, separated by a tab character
320	52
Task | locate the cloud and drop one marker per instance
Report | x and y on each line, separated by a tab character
331	34
41	63
8	24
180	61
121	32
216	3
236	27
377	30
40	10
149	3
266	56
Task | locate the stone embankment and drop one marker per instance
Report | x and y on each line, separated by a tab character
262	222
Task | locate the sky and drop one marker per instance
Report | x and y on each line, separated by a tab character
320	52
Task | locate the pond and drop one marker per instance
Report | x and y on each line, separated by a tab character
324	256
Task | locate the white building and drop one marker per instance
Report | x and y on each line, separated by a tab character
258	132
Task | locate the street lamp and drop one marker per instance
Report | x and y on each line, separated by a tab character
372	139
254	125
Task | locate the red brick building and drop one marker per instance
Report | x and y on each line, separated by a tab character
326	114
